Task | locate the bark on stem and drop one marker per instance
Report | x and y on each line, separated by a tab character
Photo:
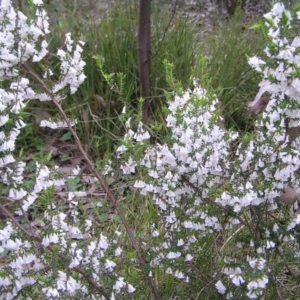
144	54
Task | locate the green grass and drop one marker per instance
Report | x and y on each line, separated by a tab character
113	40
226	51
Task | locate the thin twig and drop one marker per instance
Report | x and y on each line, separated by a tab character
98	176
25	216
13	219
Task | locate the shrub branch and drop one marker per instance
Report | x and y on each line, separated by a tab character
39	239
97	175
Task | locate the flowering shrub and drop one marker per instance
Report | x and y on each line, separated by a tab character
58	255
213	188
221	227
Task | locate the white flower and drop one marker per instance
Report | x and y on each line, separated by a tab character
294	222
109	265
127	123
220	287
121	149
71	195
179	274
37	2
153	173
155	233
129	167
180	243
119	284
252	285
17	194
296	84
275	228
256	63
278	9
42	53
188	224
118	251
236	279
61	281
13	245
3	120
130	288
270	244
173	255
51	238
7	146
262	282
74	263
50	292
188	257
141	135
5	281
72	285
252	294
88	224
56	125
296	42
139	184
75	171
103	244
286	53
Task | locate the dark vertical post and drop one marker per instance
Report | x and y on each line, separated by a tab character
144	54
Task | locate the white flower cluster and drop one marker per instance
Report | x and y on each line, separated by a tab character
182	176
53	254
208	180
279	162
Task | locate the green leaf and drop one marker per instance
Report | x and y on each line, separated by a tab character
104	217
258	26
284	19
67	136
295	9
